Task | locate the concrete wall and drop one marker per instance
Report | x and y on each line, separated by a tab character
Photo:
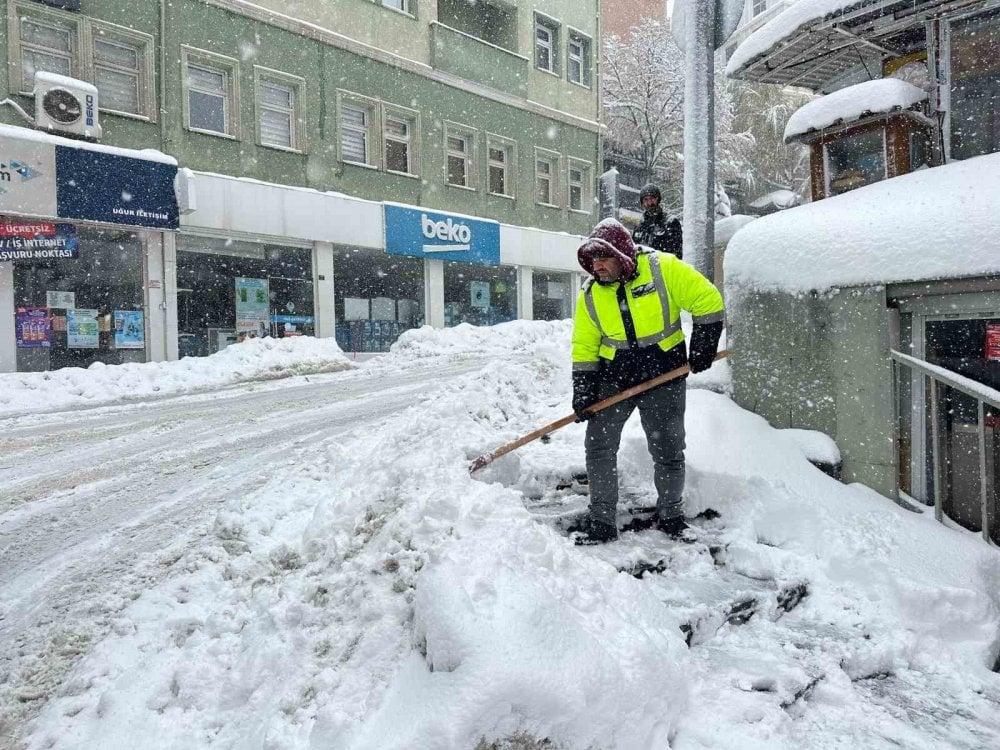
819	362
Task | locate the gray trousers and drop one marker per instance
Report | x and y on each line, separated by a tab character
662	413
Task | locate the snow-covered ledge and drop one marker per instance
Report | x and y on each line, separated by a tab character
851	104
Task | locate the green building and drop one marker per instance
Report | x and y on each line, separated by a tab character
293	124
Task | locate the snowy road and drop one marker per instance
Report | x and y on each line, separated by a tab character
95	504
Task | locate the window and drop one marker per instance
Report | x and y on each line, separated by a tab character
402	5
280	123
759	6
123	69
579	186
546	168
974	74
458	149
357	130
855	161
546	43
118	76
212	97
578	62
499	162
46	45
398	133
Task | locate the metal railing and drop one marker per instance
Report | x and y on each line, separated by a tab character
984	396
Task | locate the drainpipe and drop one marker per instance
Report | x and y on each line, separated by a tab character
161	78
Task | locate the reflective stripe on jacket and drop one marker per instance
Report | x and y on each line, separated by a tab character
661	288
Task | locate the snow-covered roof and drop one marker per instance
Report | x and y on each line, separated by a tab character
782	198
851	104
27	134
938	223
730	225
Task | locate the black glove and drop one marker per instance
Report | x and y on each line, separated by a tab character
704	342
585	393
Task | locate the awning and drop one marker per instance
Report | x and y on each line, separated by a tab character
813	42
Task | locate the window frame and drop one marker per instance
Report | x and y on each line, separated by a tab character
554	159
586	54
397	112
471	136
213	62
373	157
146	71
586	185
754	5
552	26
297	84
510	168
407	8
942	60
41	15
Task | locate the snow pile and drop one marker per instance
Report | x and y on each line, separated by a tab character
815	446
254	359
785	25
465	338
727	227
934	224
853	103
372	594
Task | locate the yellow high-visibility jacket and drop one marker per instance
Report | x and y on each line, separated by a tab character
662	286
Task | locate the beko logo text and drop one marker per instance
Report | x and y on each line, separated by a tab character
458	235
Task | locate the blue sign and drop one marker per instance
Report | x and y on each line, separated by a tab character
98	186
420	233
293	319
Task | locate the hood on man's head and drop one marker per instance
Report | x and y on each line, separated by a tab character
609	238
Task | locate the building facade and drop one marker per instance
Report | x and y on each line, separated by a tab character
880	324
486	111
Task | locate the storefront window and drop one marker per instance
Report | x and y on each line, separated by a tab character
228	290
552	295
72	312
855	161
479	295
975	86
376	297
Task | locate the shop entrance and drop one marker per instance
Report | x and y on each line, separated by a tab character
553	295
969	347
479	295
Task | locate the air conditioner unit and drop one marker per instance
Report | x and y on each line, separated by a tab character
66	106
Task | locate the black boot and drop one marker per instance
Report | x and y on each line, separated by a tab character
674	527
587	531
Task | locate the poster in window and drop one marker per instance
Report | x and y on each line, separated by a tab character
252	306
33	328
479	292
130	329
60	300
81	329
993	342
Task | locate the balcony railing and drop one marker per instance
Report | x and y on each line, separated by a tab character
474	59
931	378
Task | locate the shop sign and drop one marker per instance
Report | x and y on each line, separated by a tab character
420	233
33	328
81	329
252	307
60	300
292	319
130	329
117	189
27	177
993	342
28	241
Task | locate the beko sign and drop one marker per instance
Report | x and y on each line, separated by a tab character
417	232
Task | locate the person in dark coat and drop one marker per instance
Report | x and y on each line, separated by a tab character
657	230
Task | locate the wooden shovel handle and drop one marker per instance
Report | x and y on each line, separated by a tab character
488	458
